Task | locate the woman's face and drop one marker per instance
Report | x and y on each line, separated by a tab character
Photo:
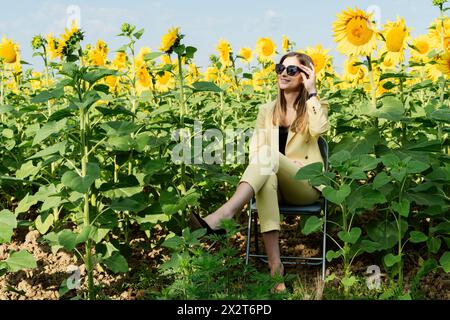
290	83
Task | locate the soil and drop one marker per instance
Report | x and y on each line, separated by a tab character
43	283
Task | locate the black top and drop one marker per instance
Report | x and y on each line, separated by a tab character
283	134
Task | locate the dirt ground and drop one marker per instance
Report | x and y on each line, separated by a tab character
44	281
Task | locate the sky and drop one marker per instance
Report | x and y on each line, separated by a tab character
203	22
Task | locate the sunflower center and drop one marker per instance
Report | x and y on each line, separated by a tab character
358	31
395	38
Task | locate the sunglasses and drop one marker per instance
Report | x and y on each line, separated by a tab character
290	70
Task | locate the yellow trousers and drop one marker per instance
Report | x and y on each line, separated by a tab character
280	186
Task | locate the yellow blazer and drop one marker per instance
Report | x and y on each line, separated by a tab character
264	143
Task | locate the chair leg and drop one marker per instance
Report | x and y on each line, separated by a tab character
255	226
324	247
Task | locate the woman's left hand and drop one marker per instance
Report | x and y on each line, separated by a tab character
310	81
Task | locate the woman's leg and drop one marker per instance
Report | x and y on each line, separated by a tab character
271	243
242	195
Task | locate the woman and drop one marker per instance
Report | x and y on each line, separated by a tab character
284	140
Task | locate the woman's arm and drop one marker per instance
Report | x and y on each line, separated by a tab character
317	110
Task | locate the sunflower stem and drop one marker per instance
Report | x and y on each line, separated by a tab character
372	88
182	113
2	88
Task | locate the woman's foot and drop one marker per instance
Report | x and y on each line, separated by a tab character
215	218
196	222
278	270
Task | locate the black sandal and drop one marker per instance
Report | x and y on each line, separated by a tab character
197	222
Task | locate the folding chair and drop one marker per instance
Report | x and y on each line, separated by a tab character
293	210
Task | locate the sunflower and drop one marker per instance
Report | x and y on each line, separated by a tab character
139	59
69	41
143	79
36	80
112	82
435	32
265	49
421	48
193	74
246	54
262	78
224	50
396	35
120	61
170	39
165	82
443	63
8	51
285	43
98	55
321	59
355	32
352	73
432	71
211	74
52	46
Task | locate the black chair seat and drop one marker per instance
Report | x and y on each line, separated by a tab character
287	209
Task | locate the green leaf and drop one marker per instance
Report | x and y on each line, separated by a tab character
434	244
380	180
8	223
339	158
356	173
59	147
138	34
392	109
72	180
337	196
20	260
370	246
391	259
312	224
441	115
67	239
43	222
445	261
116	263
415	166
390	160
44	96
309	171
348	281
171	203
119	128
402	208
48	129
206	86
152	55
417	237
25	204
398	173
27	169
350	237
123	143
333	255
135	203
97	74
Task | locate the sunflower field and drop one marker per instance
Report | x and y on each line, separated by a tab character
93	206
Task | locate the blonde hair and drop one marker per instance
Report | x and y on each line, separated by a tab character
301	121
